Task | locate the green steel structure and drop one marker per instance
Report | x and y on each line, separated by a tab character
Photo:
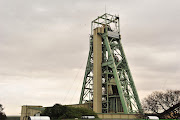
119	94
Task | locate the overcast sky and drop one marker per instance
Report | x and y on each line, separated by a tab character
44	47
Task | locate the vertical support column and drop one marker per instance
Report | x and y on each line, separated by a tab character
97	71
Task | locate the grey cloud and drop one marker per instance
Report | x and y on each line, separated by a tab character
44	46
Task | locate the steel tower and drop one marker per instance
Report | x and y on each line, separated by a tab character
108	83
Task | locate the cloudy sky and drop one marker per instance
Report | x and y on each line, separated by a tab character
44	46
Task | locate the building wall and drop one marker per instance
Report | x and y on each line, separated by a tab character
27	111
117	116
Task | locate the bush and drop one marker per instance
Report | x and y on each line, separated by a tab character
65	112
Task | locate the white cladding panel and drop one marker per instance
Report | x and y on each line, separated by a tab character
152	118
39	118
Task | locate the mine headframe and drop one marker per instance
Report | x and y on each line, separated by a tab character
108	84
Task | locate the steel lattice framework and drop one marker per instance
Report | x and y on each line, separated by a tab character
119	93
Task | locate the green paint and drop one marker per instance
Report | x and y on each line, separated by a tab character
114	67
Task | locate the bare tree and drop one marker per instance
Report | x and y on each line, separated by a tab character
1	108
164	104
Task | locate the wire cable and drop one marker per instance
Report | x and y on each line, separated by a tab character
79	84
73	82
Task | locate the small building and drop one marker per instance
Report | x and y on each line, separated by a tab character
30	110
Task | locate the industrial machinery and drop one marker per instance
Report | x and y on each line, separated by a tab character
108	84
